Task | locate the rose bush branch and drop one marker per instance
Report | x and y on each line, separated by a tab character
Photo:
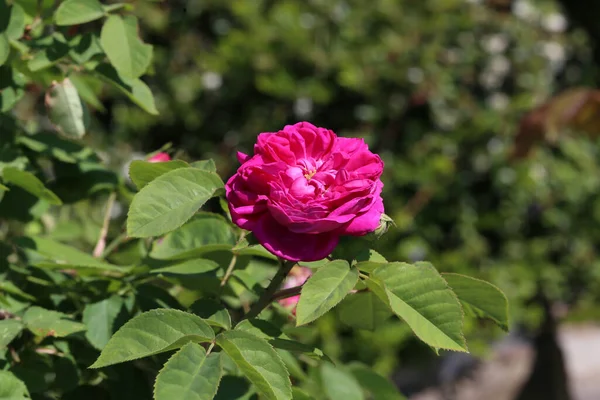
267	296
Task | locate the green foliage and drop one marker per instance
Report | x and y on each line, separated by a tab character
189	374
170	200
152	333
324	290
66	110
74	12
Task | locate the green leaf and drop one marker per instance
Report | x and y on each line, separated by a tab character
12	388
481	298
99	318
11	87
213	312
363	310
298	394
49	53
9	329
66	110
63	256
143	172
205	165
189	267
205	233
4	48
75	12
235	388
254	250
44	322
170	200
29	182
189	374
135	89
153	332
324	289
420	296
339	384
379	387
259	362
9	287
12	20
126	52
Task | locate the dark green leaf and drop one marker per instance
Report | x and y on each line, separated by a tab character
29	182
135	89
214	313
379	387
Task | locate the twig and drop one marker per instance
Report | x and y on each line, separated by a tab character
267	296
285	293
229	270
99	249
114	244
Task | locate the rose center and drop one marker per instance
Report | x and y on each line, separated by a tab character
309	174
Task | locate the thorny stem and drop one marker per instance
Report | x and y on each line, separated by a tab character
99	249
267	297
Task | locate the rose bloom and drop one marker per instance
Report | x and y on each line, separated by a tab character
303	188
298	275
159	157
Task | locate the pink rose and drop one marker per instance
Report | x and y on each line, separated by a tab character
303	188
298	275
159	157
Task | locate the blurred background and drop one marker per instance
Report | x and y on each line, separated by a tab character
486	115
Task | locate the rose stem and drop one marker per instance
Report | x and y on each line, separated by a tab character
267	296
285	293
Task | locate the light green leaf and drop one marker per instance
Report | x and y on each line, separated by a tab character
29	182
4	48
339	384
254	250
126	52
99	318
66	110
135	89
205	165
324	289
299	394
205	233
420	296
11	388
12	20
189	267
379	387
189	374
44	322
259	362
9	329
482	298
9	287
153	332
63	256
143	172
75	12
363	310
50	53
170	200
214	313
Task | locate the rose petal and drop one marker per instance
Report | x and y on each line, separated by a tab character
293	246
